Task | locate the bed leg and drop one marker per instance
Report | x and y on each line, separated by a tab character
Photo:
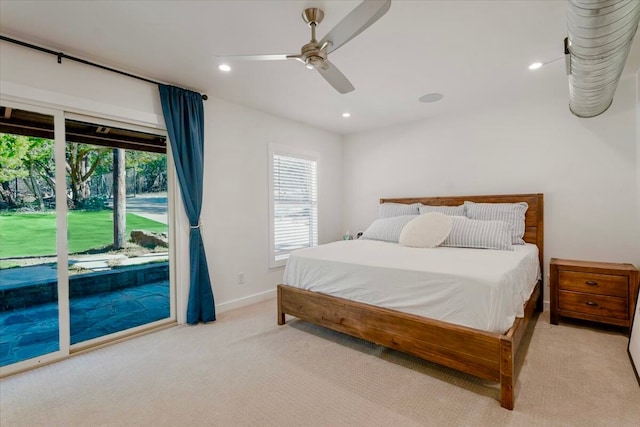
281	319
540	301
506	373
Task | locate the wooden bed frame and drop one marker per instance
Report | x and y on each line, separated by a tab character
483	354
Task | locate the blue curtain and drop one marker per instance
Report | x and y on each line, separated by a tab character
184	116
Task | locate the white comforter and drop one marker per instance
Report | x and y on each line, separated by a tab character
480	288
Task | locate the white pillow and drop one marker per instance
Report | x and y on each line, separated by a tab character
387	229
447	210
511	213
479	234
426	231
388	210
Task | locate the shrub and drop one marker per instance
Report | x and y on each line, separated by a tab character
94	203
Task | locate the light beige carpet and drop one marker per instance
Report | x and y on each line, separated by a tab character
244	370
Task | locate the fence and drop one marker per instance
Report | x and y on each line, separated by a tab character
102	185
99	186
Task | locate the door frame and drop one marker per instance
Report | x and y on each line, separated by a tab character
60	114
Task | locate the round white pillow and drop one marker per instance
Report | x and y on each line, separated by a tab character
426	231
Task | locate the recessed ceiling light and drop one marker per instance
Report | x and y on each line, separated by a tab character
346	115
224	67
535	65
431	97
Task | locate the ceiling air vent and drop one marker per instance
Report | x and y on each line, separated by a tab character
600	34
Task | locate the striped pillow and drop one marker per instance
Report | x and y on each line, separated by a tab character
447	210
511	213
388	210
387	229
471	233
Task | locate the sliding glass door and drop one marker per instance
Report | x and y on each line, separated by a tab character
29	285
117	229
90	197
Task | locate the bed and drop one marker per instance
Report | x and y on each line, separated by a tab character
487	355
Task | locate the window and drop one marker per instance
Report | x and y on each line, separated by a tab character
293	185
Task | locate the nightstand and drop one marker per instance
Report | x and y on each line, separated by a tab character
597	291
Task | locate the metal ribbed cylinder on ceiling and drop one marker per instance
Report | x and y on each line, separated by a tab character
600	34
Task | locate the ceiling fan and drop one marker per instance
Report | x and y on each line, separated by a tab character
315	53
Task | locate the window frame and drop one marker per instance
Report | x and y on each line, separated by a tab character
281	150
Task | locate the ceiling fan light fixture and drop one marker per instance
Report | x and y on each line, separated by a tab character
224	67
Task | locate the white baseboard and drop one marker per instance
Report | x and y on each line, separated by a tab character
244	301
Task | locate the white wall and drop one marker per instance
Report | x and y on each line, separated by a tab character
235	211
586	168
638	163
235	214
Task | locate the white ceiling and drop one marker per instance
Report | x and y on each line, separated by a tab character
474	52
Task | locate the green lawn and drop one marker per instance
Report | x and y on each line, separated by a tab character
27	234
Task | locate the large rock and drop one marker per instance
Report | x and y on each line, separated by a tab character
149	239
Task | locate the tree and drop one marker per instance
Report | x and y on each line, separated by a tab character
12	151
32	159
150	170
82	162
39	161
28	158
119	198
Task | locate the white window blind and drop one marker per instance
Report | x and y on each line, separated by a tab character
294	206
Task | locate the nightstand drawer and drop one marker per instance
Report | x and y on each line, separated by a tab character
593	283
597	305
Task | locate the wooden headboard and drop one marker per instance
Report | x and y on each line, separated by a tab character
534	219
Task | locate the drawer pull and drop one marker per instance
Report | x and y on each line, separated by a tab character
591	303
591	283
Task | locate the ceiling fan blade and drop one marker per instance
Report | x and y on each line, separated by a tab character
276	57
358	20
335	78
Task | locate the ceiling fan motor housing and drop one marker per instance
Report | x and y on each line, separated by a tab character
312	55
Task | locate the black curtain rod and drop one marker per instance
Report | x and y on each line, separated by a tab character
61	55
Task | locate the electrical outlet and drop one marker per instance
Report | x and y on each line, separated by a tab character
240	278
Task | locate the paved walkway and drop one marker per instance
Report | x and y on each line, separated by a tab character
33	331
